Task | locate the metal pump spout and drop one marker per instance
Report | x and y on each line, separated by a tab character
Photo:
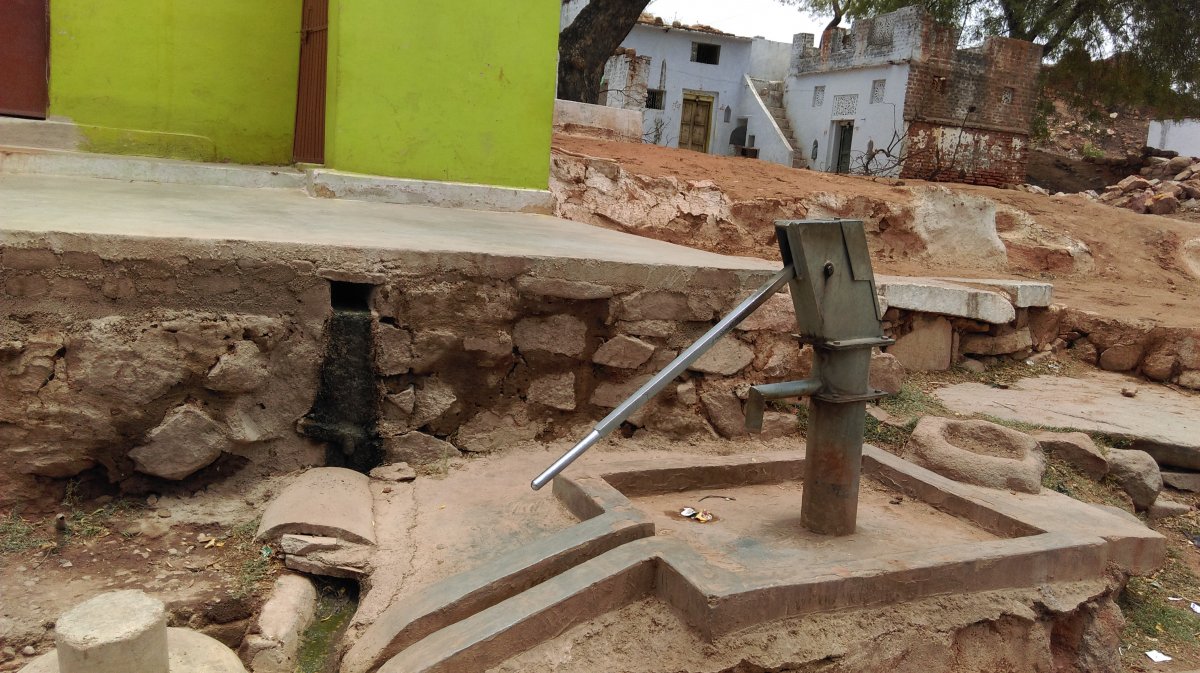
827	268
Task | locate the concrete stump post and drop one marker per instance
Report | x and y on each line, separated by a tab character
116	632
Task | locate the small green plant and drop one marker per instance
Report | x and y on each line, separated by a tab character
1149	616
255	563
912	402
18	535
887	436
1091	151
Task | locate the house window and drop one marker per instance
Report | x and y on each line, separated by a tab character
654	99
819	96
728	114
845	106
878	88
1006	96
706	53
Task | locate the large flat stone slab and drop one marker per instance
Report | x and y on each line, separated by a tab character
1161	421
330	501
1024	293
928	295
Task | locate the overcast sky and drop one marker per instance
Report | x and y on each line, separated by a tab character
748	18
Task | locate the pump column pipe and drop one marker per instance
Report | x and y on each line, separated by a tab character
660	380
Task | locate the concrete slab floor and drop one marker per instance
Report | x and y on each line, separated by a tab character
760	529
94	206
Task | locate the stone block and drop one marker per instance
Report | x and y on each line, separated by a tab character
489	431
662	305
1138	475
563	289
393	350
330	501
1121	358
393	472
624	352
724	411
416	448
949	299
611	393
184	442
886	374
1001	344
496	344
116	632
554	390
726	358
928	347
244	368
1182	481
562	334
280	625
28	259
433	399
1077	450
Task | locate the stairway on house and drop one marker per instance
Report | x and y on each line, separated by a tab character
772	95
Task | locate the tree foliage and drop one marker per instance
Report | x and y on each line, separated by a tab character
1129	51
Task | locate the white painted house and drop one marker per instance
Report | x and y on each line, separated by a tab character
1179	135
696	87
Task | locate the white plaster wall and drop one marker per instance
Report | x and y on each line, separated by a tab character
769	60
724	81
1181	135
769	140
627	123
872	121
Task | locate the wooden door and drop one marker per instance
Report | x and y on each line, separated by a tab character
24	57
845	140
695	122
309	145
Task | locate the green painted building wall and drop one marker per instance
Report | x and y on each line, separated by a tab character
211	80
459	91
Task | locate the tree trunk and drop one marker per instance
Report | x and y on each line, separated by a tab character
586	45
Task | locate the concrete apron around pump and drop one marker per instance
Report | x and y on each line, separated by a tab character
827	268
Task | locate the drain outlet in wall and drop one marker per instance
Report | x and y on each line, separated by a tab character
345	412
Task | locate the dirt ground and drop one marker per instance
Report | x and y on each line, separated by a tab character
1138	272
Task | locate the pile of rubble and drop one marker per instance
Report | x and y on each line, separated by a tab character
1165	186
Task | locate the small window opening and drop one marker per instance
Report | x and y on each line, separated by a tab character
350	296
814	151
728	114
1006	96
706	53
654	99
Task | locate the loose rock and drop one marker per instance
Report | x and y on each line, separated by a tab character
1138	475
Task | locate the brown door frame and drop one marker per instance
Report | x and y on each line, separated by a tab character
25	58
309	143
698	99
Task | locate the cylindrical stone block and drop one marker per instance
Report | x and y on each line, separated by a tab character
116	632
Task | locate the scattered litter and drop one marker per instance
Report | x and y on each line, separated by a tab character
266	551
1129	392
697	515
723	497
1174	598
1157	657
1195	608
1196	540
896	500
